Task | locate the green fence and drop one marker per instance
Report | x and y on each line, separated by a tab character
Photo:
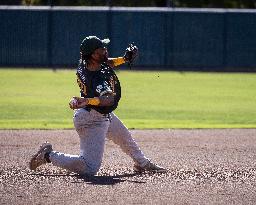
171	39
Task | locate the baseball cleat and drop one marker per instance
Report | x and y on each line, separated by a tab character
39	158
149	167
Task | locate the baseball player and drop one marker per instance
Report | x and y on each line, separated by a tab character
94	119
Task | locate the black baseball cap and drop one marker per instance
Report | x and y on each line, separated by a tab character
91	43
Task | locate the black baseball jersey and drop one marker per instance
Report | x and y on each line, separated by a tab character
98	83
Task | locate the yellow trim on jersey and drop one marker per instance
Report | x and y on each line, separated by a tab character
81	85
118	61
93	101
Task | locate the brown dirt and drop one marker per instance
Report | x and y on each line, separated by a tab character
205	167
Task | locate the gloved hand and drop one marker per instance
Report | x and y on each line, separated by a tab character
131	53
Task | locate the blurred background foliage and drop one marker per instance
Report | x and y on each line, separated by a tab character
136	3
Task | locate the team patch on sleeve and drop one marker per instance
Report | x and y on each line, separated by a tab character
103	88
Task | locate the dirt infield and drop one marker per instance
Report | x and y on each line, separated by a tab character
205	167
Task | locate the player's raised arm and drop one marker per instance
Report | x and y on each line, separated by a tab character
113	62
130	54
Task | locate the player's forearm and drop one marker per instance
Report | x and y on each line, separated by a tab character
78	102
99	101
106	100
113	62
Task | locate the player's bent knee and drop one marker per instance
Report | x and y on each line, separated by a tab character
82	168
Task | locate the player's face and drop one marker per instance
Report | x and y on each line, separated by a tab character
101	55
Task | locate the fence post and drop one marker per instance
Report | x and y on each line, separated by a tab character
49	35
224	36
109	26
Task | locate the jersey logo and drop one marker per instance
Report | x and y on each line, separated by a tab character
102	89
99	88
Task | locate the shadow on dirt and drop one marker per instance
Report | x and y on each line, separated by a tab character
98	180
110	180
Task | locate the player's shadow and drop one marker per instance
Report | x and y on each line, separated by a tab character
109	180
98	180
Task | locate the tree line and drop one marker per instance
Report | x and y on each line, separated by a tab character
137	3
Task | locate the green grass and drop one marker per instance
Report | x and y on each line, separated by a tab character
39	99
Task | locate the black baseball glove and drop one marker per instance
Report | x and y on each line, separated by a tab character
131	53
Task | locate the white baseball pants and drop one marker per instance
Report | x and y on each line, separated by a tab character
92	128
